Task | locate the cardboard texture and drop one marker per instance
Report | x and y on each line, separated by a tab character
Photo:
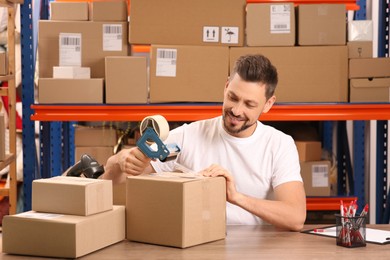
95	136
99	153
369	68
71	195
69	72
309	150
69	11
359	49
119	194
306	73
321	24
188	73
64	236
370	90
270	24
2	137
173	211
126	80
108	11
70	91
3	63
316	177
98	40
191	22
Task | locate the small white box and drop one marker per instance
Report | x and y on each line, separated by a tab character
65	72
360	30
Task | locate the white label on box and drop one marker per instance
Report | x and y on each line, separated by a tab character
70	49
229	35
320	175
112	37
39	215
210	34
166	62
280	18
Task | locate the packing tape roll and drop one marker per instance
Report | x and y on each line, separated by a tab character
158	123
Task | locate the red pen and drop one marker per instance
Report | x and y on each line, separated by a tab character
318	230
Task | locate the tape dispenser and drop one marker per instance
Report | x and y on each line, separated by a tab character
154	130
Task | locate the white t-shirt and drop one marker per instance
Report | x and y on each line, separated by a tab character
258	163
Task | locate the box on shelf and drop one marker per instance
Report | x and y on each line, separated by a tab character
180	212
99	153
360	30
71	72
70	91
321	24
95	136
191	22
309	150
359	49
176	73
86	42
2	137
3	63
69	11
64	236
270	24
369	68
108	11
370	90
71	195
306	73
315	176
126	80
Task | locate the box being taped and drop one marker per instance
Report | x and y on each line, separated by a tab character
170	210
71	195
64	236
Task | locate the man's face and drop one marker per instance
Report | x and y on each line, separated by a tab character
242	105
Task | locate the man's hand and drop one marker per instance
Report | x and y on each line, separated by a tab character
132	161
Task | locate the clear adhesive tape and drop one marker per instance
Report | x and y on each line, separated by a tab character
158	123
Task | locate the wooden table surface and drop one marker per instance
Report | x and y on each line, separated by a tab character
245	242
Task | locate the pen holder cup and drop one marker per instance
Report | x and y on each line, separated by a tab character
351	231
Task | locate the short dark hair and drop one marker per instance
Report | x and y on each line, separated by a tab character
257	68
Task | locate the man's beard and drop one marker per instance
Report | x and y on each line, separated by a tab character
230	129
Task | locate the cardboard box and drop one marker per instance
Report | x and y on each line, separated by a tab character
98	40
191	22
359	49
360	30
3	63
69	72
95	136
270	24
306	74
370	90
369	68
70	91
322	24
180	212
119	193
64	236
316	177
71	195
176	73
309	150
99	153
2	137
108	11
126	80
69	11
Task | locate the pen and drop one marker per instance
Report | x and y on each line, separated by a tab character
318	230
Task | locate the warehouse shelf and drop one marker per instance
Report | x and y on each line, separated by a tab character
327	203
191	112
349	4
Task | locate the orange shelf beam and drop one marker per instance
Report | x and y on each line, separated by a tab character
192	112
349	4
326	203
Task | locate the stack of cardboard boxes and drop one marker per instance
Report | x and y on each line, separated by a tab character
70	217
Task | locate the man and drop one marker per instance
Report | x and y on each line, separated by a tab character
260	163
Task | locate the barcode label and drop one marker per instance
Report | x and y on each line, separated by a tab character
280	26
166	54
112	37
70	49
71	41
280	18
166	62
116	29
320	175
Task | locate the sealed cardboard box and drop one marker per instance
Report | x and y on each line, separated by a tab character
126	80
309	150
71	195
70	72
99	153
316	177
191	22
359	49
322	24
181	73
69	11
369	68
2	137
70	91
95	136
64	236
3	63
108	11
168	210
270	24
87	43
306	73
370	90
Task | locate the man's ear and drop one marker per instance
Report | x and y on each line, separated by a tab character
270	102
